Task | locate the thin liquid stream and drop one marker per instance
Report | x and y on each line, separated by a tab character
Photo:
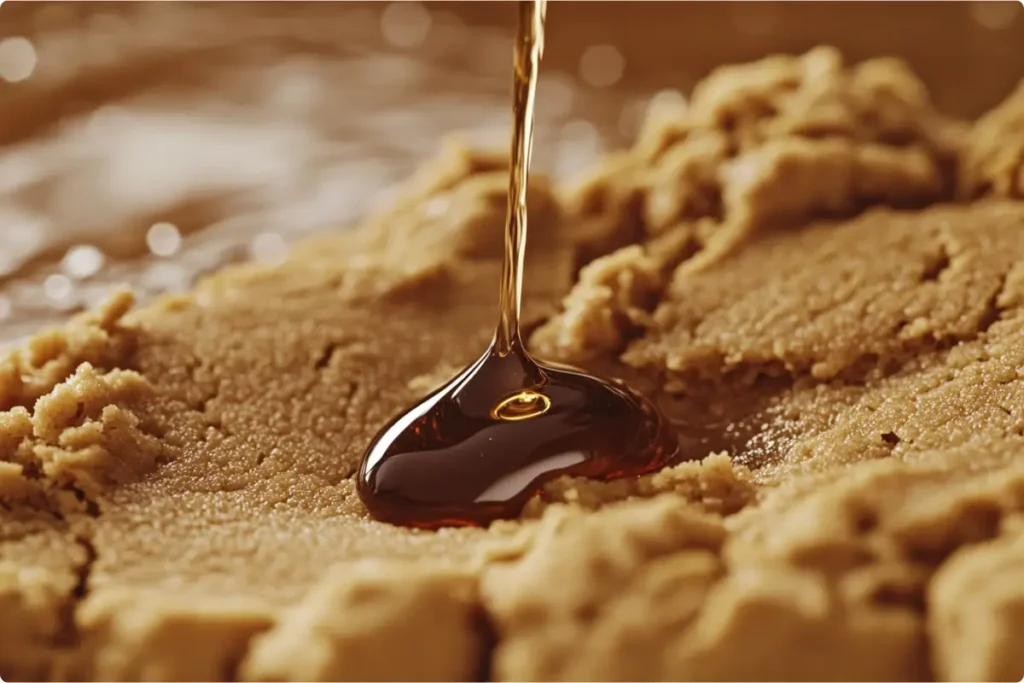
526	64
481	445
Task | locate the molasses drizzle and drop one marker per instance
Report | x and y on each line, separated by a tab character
479	447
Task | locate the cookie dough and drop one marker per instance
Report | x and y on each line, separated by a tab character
814	273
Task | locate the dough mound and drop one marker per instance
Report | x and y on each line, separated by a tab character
815	275
993	161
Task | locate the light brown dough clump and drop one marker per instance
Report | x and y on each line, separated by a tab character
843	357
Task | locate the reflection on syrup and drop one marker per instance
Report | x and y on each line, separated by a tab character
480	446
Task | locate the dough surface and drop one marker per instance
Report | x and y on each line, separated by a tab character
813	272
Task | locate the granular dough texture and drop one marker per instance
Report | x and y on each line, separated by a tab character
781	267
760	145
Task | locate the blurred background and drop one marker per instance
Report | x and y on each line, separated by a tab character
148	143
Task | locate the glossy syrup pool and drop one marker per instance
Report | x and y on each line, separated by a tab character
482	445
